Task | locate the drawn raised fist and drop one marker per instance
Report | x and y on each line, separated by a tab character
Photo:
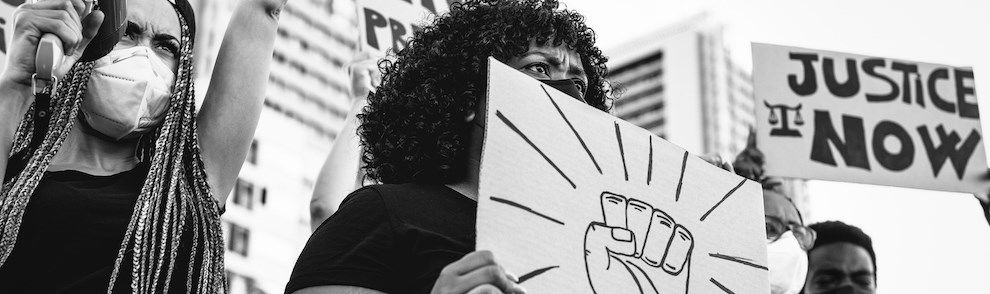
638	249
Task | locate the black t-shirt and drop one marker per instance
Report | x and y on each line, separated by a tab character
71	233
390	238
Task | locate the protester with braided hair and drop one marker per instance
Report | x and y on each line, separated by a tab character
117	186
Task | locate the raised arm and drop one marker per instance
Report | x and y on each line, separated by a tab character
341	173
234	98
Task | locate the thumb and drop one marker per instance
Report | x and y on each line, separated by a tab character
90	26
601	239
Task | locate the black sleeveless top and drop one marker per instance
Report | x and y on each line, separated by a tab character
71	232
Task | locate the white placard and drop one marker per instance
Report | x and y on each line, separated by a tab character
853	118
574	200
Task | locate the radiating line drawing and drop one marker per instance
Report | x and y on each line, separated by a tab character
576	134
680	181
514	128
526	209
720	286
703	217
736	259
622	151
634	242
649	168
537	272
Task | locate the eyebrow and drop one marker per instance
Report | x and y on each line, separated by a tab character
136	28
556	62
829	271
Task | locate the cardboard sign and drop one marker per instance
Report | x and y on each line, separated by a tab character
854	118
574	200
384	24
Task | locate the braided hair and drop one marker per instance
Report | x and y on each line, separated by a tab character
175	203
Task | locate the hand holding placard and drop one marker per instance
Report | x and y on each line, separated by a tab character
639	245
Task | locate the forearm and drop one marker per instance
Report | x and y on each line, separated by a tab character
14	102
234	98
341	173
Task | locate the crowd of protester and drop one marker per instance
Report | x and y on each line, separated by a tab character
114	174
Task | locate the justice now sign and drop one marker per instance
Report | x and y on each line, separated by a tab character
853	118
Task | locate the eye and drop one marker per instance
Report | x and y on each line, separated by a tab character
774	228
825	280
539	67
864	280
773	231
168	47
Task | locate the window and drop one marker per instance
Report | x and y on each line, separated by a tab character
238	240
238	283
243	194
252	156
264	196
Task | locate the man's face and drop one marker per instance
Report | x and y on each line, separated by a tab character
545	62
840	268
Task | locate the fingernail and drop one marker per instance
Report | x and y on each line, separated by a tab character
621	234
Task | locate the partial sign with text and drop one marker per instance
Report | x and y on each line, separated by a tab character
853	118
388	24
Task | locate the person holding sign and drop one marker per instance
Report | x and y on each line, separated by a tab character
422	135
117	186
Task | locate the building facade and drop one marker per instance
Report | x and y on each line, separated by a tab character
266	223
681	84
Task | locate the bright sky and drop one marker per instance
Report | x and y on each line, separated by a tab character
926	242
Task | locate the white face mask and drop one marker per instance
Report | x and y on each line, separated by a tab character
128	92
788	265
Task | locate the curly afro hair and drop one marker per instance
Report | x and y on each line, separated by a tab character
414	128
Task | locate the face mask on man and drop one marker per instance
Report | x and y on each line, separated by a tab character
128	93
788	264
568	87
